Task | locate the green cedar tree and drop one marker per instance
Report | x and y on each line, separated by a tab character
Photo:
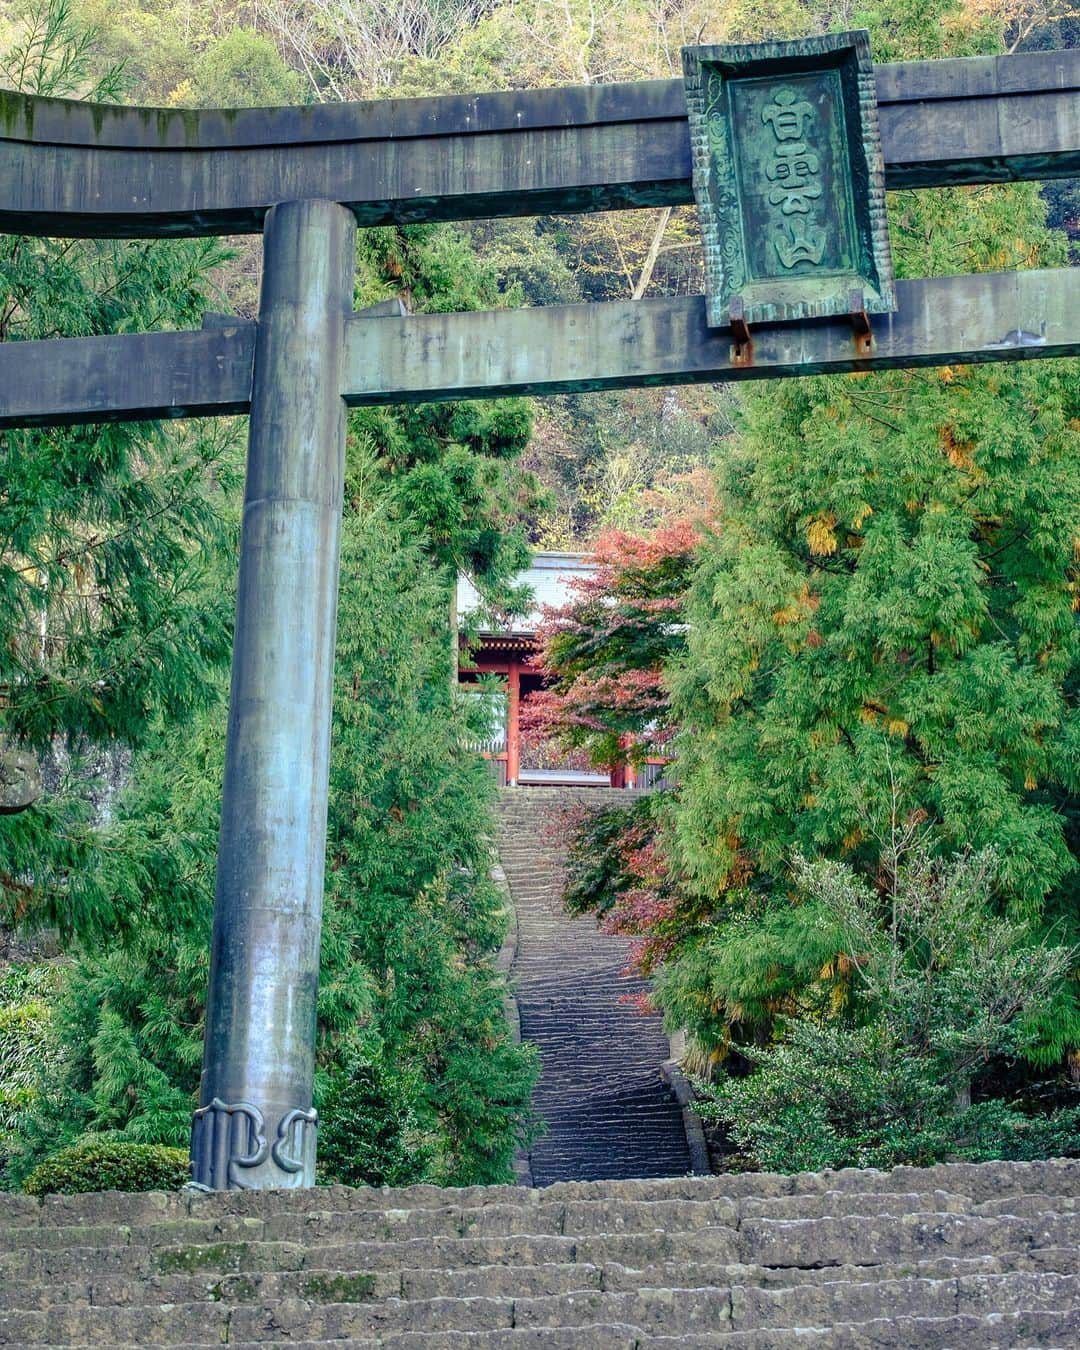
109	619
885	627
411	922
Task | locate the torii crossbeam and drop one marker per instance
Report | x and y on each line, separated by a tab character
306	177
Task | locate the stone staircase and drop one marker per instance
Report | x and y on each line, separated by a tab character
608	1114
960	1256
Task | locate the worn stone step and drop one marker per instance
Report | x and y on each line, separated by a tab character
994	1185
142	1290
607	1113
696	1312
840	1301
644	1310
438	1253
573	1217
852	1241
503	1280
839	1204
1016	1331
915	1257
524	1338
1057	1260
79	1326
1006	1330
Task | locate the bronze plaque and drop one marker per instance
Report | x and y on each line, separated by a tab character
789	179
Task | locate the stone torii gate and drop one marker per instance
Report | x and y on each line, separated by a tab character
778	143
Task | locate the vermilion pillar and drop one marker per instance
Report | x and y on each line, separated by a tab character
513	731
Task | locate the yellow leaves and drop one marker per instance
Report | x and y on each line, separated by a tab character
837	972
851	840
873	713
861	513
958	453
1030	781
796	609
183	95
821	535
946	374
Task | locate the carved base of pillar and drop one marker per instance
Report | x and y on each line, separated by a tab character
233	1148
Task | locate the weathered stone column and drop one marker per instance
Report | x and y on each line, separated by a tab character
255	1127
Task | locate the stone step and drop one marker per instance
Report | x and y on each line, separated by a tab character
980	1255
709	1249
851	1240
527	1338
761	1296
600	1094
1008	1330
64	1273
993	1186
984	1190
700	1313
1015	1331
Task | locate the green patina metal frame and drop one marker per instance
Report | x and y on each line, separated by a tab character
726	146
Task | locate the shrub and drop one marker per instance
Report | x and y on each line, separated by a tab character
839	1097
364	1125
925	987
101	1164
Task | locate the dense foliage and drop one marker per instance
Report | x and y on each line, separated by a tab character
608	646
933	986
109	622
109	1165
885	627
414	1048
881	630
409	998
367	1132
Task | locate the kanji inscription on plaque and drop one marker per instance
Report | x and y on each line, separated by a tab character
789	180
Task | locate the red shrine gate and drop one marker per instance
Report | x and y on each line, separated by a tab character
508	648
